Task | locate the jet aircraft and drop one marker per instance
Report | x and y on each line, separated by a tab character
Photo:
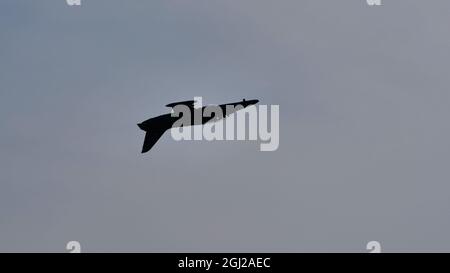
155	127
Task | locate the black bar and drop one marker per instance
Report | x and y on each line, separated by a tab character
226	262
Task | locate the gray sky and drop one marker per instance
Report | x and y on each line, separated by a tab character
364	106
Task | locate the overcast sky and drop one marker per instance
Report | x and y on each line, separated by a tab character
364	125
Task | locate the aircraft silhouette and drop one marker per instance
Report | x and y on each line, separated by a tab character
155	127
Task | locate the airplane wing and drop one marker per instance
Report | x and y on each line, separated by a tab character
189	103
151	137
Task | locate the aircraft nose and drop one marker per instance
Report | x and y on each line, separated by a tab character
251	102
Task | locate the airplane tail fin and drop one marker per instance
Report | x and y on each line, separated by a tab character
141	126
151	137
